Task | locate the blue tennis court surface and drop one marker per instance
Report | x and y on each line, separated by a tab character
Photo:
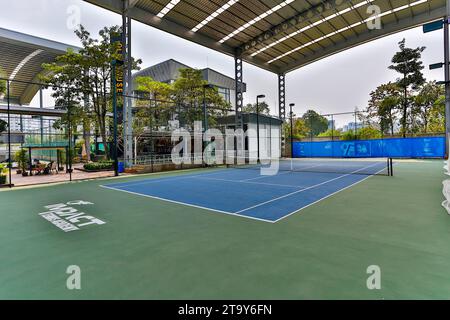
247	193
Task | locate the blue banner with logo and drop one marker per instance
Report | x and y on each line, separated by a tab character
428	147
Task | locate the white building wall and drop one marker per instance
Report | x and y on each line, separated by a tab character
270	141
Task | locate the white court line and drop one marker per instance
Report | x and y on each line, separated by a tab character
305	189
249	182
189	205
262	177
173	178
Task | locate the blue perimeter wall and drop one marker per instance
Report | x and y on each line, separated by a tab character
429	147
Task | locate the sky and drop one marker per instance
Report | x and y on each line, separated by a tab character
339	83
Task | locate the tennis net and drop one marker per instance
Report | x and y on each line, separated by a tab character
362	166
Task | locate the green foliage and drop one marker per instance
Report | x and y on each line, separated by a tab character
188	93
21	157
3	172
348	135
425	111
407	62
436	123
299	129
315	123
423	104
81	80
96	166
330	133
368	133
383	106
252	108
365	133
160	112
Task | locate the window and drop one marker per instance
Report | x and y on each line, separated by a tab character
225	93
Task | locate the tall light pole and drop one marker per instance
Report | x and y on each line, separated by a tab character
261	96
114	65
292	105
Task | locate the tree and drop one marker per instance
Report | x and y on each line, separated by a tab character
252	108
149	112
383	106
424	102
188	93
299	128
86	78
407	63
331	133
315	123
369	132
436	123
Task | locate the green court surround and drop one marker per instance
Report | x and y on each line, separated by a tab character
150	249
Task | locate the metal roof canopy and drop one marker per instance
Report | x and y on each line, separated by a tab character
21	57
278	35
31	111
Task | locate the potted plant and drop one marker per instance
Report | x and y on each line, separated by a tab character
62	158
3	173
22	161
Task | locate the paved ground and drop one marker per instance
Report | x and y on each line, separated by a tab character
19	180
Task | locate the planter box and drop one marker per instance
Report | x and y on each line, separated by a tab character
92	171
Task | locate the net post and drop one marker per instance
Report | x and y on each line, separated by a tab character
391	166
388	167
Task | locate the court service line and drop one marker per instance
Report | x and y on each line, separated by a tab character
249	182
262	177
303	190
188	204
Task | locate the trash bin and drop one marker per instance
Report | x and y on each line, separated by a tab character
121	167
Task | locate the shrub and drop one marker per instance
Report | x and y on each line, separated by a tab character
3	172
103	165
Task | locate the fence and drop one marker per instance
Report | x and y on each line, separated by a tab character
428	147
65	142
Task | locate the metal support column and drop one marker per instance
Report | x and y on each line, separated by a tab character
8	92
282	110
41	105
239	91
447	77
114	102
282	96
127	82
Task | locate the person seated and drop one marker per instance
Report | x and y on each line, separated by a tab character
49	167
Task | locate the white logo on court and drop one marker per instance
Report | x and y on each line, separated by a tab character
79	203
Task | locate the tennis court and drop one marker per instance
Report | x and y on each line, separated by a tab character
153	249
296	184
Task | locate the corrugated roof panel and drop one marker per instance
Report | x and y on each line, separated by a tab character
22	55
189	13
